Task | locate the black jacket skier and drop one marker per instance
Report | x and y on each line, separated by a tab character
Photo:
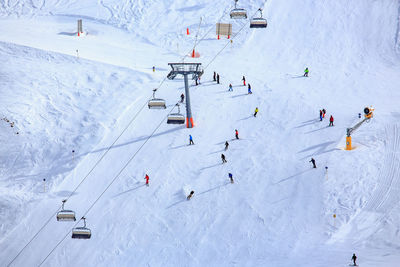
354	258
226	145
182	98
218	78
223	158
215	76
313	162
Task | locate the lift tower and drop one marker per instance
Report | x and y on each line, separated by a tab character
186	69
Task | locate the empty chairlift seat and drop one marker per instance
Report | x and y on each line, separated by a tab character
81	232
156	102
238	13
258	22
65	215
176	118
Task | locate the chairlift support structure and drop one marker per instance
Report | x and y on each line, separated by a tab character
81	232
65	215
156	103
258	22
186	69
238	13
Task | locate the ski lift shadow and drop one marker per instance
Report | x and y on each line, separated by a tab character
129	190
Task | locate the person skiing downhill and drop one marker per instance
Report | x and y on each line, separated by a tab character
320	115
255	112
323	113
191	140
223	159
236	134
218	78
230	87
249	89
244	81
354	258
147	179
190	195
306	71
331	121
226	145
182	98
215	77
231	177
313	162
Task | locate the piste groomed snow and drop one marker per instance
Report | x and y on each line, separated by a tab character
75	125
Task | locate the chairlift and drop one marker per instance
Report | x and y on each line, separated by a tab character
176	118
81	232
238	13
65	215
156	102
258	22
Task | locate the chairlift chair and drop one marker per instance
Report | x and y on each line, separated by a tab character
238	13
65	215
258	22
81	232
176	118
156	102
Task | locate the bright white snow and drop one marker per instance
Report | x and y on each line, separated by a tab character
89	94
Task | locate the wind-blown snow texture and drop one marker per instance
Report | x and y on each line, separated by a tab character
66	93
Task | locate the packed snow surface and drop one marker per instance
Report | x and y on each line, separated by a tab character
82	131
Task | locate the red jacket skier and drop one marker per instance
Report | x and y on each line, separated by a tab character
147	179
331	121
236	134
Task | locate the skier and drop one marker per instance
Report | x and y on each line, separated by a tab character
196	82
215	77
237	134
191	140
218	78
306	72
230	87
249	89
230	177
244	81
223	158
190	195
182	98
320	115
323	113
331	121
147	179
226	145
313	162
154	68
354	258
255	112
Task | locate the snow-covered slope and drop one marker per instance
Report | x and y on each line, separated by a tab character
279	211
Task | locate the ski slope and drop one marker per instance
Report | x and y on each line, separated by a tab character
89	94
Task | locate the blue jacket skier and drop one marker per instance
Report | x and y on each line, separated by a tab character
191	140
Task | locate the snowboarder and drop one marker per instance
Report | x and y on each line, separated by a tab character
323	113
313	162
236	134
191	140
218	78
320	115
255	112
226	145
223	158
354	258
147	179
230	177
182	98
331	121
215	77
190	195
230	87
306	72
249	89
244	81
